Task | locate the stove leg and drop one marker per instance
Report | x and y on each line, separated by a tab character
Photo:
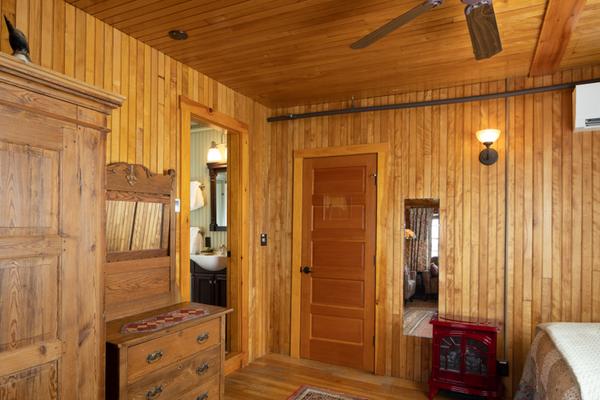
432	391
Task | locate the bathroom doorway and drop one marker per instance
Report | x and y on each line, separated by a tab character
209	247
213	186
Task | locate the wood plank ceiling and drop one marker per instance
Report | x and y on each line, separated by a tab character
287	52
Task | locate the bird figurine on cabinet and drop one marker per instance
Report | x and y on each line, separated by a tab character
18	42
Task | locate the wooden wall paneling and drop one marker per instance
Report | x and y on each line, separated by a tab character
551	190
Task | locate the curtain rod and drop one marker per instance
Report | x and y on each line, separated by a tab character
429	103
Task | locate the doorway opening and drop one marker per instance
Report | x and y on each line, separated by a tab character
213	265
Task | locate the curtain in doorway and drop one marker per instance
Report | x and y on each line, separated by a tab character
420	247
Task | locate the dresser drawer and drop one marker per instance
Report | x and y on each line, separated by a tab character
172	382
155	354
208	391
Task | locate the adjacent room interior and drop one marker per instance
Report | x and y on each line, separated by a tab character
299	200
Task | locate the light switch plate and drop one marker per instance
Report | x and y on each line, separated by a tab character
177	206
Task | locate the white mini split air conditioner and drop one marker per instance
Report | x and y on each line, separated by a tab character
586	107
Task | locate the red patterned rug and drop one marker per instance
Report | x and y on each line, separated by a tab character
163	321
313	393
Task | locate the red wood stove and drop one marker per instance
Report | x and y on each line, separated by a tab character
464	358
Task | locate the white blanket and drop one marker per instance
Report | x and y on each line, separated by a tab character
579	344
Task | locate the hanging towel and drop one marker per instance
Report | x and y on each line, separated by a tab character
196	196
196	240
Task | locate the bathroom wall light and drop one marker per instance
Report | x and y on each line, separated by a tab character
222	147
213	155
488	156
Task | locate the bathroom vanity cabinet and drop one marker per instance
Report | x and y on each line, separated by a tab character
208	287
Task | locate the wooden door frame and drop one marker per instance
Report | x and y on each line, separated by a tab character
382	151
238	238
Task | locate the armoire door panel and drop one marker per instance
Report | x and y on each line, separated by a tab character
40	382
28	190
41	131
26	318
31	267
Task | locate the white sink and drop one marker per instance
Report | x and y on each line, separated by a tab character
210	262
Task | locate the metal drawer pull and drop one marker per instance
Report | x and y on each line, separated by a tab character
202	369
203	396
202	338
154	357
154	393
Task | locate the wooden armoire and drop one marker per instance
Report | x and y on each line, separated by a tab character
52	167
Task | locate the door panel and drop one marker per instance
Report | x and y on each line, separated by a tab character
30	249
28	319
338	244
34	383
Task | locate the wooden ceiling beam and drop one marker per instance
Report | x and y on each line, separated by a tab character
559	23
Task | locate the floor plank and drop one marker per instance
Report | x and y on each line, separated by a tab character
276	377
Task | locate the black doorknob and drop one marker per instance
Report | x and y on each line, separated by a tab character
306	270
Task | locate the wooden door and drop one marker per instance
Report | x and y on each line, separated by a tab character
338	260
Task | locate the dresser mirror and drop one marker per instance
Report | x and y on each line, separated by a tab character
135	225
421	269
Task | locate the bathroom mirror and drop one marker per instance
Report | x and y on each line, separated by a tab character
421	265
218	196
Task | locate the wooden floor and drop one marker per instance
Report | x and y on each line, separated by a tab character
276	377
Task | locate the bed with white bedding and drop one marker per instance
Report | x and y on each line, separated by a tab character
563	363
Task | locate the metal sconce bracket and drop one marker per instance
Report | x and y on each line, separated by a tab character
488	156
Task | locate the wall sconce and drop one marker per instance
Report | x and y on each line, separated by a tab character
488	156
213	155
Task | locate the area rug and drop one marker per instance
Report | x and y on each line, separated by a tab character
313	393
163	321
416	322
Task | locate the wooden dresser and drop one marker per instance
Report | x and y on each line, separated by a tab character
184	361
52	156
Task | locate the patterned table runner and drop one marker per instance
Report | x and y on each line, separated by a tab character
163	321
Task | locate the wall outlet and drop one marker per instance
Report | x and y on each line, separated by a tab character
263	239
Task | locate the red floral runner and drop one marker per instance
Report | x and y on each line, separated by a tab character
314	393
163	321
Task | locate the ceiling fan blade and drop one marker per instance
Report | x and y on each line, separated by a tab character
483	28
395	24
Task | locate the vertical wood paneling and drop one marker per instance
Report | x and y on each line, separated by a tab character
145	130
435	155
553	181
551	186
554	195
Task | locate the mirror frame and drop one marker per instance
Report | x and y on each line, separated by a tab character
128	289
213	171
